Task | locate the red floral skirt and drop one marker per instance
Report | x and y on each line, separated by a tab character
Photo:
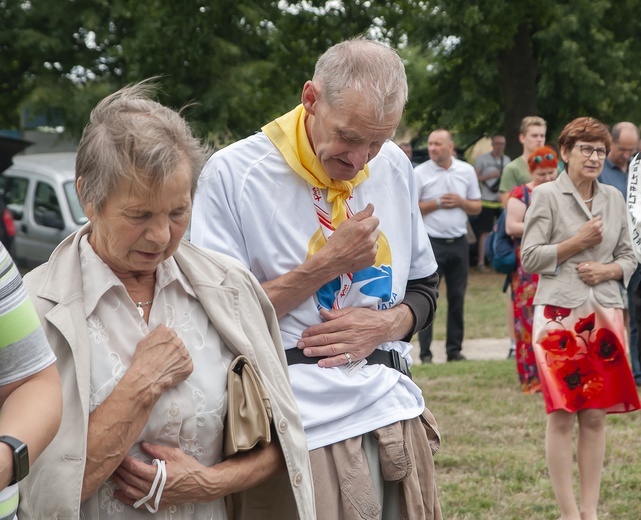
581	357
523	291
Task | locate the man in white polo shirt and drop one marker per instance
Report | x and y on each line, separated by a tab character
448	193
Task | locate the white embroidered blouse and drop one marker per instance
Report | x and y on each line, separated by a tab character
189	416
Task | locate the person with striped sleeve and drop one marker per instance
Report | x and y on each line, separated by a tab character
30	392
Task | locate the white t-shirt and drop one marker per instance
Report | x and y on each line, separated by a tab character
188	416
434	182
252	206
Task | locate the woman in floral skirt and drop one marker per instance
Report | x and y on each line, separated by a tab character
543	165
576	238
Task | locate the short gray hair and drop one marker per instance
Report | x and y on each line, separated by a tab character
130	136
370	68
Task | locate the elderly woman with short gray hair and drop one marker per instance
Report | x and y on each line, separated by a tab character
145	326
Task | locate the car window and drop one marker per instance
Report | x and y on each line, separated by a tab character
15	193
15	190
77	213
46	205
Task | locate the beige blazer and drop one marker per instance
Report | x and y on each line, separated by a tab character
557	213
245	319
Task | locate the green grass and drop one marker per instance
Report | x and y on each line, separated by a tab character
485	306
491	464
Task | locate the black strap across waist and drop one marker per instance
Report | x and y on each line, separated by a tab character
447	240
389	358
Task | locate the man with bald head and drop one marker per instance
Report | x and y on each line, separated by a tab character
448	193
625	139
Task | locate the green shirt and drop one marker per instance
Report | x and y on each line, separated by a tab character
514	174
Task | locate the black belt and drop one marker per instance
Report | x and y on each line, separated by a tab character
447	240
389	358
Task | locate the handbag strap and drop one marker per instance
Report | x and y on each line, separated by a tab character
157	487
517	241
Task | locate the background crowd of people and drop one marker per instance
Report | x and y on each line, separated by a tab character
316	251
571	312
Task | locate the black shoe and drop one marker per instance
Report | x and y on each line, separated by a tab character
426	359
511	353
456	357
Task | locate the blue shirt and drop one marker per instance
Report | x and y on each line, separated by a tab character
614	176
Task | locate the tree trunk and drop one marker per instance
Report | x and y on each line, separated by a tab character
518	73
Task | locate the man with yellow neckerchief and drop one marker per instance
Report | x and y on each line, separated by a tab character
323	208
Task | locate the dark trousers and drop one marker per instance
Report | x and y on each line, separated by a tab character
635	315
452	257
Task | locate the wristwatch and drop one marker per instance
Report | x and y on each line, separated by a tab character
20	457
438	203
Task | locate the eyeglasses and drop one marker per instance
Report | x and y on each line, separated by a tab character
587	151
541	158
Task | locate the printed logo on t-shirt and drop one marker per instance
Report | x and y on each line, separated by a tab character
370	287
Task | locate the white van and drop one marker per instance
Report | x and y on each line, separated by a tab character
40	192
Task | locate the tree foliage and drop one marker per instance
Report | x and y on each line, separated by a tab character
40	42
237	64
474	66
495	62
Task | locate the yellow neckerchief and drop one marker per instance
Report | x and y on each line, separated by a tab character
289	135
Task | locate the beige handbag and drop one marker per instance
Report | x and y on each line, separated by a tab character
249	412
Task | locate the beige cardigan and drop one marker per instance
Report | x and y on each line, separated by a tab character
557	213
245	319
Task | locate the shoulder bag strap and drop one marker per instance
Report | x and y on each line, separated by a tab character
526	196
